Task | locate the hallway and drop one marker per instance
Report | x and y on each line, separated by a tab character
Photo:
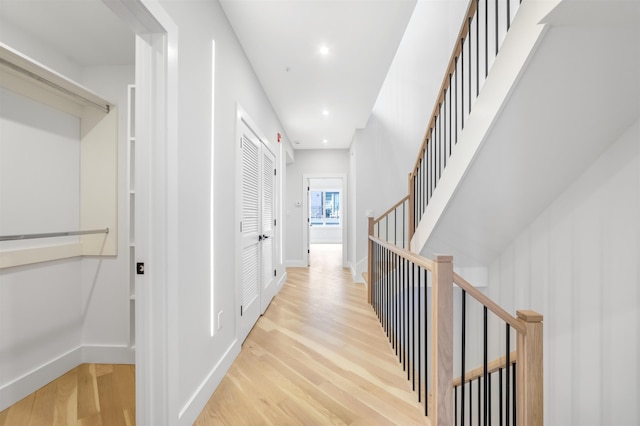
318	356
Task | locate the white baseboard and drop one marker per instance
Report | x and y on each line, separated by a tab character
282	280
354	274
296	264
357	271
108	355
196	403
14	391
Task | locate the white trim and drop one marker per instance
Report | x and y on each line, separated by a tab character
305	207
196	403
156	221
283	279
14	391
295	263
112	354
19	388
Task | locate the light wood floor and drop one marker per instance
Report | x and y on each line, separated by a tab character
88	395
318	356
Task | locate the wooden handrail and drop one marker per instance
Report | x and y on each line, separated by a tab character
395	206
490	304
492	366
462	35
415	258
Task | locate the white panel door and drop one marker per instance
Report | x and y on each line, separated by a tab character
251	233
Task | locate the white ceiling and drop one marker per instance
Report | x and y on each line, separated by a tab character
282	39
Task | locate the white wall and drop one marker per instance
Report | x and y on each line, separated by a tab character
55	315
386	149
315	162
577	264
202	359
105	281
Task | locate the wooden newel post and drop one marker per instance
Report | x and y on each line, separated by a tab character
529	371
369	260
442	341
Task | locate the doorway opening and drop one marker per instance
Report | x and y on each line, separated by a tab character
326	225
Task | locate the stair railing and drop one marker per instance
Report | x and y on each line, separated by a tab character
413	298
479	40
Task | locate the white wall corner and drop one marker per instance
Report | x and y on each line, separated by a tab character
356	272
196	403
14	391
282	280
297	263
108	354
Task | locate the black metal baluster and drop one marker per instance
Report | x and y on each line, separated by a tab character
507	371
405	234
500	397
477	47
418	357
410	319
426	348
397	313
386	228
388	291
444	135
508	14
480	400
463	326
456	88
395	226
403	312
486	38
497	28
455	405
488	397
450	116
471	401
440	144
485	361
470	63
462	82
513	394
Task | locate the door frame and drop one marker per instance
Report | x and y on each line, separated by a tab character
305	207
156	208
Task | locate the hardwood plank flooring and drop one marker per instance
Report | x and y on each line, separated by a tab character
318	356
90	394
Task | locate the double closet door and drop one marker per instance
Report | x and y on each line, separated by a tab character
257	237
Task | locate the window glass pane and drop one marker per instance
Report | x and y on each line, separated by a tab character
332	208
316	215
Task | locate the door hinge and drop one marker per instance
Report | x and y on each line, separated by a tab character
308	251
240	310
240	226
274	222
275	172
275	272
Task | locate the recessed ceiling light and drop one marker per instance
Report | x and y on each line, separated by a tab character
325	112
324	141
324	50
